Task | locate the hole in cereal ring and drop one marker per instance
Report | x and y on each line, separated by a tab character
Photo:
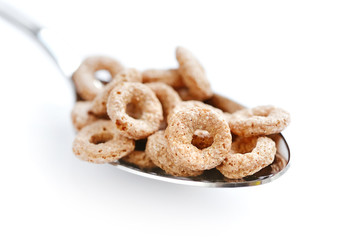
134	110
101	138
202	139
245	145
140	144
103	76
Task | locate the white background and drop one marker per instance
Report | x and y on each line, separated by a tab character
303	56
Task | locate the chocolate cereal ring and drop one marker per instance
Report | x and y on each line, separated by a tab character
193	74
156	149
101	142
261	120
170	77
81	116
87	86
142	98
248	156
180	131
140	159
99	104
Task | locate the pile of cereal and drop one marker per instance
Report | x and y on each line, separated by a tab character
185	127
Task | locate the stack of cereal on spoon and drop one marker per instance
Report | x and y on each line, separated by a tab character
186	128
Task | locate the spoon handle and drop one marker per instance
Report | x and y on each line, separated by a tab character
49	39
19	19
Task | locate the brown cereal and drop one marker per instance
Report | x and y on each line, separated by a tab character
87	86
81	116
170	77
156	149
166	95
225	104
261	120
200	127
179	135
185	94
248	156
99	104
141	97
277	165
101	142
191	104
193	74
140	159
227	116
130	75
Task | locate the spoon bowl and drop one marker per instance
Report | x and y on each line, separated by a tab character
54	45
213	178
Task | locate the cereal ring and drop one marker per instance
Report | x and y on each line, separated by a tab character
81	116
140	159
185	94
142	98
277	165
130	75
156	149
193	74
87	86
179	135
169	76
248	156
226	115
166	95
225	104
191	104
101	142
261	120
99	104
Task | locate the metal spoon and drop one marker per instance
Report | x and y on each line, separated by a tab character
68	63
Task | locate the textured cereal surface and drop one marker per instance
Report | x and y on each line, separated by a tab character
180	125
193	74
170	77
140	159
81	116
167	96
186	95
99	104
261	120
225	104
156	149
180	131
248	156
184	105
86	85
143	98
101	142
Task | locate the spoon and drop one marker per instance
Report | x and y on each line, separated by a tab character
52	42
